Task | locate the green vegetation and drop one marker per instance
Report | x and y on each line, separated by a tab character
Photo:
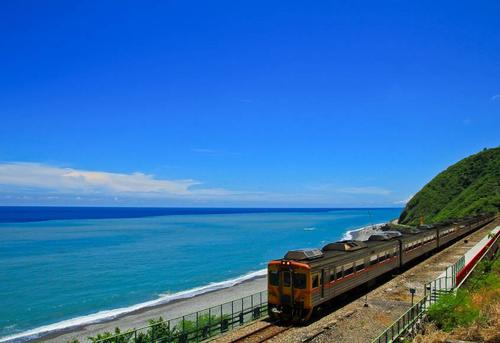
158	331
453	310
472	314
469	187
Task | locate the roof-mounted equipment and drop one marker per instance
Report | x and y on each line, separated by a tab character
379	237
344	246
304	254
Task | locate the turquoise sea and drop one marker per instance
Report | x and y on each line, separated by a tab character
53	270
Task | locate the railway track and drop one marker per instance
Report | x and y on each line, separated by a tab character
262	334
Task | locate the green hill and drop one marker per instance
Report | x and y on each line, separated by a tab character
468	187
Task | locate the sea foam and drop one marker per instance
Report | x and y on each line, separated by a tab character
362	234
107	315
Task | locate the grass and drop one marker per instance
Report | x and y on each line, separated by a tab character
472	314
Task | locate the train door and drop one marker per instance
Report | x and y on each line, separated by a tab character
286	284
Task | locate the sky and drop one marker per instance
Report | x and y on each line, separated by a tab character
242	104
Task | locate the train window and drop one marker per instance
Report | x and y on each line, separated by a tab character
373	259
332	274
286	279
274	279
348	269
381	256
360	265
299	280
338	275
315	283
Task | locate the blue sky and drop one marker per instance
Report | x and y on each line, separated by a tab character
261	103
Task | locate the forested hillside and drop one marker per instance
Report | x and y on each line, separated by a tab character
468	187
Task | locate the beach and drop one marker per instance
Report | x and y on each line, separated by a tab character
178	308
170	310
89	256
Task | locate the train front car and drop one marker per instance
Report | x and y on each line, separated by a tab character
289	286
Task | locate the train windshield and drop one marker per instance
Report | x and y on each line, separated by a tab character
299	280
286	279
274	278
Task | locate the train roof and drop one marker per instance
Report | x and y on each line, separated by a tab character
347	250
342	251
350	250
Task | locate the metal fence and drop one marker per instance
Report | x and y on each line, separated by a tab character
433	291
198	326
403	323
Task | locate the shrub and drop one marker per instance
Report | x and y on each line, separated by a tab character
452	310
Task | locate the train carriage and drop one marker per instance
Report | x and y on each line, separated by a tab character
418	244
449	234
305	279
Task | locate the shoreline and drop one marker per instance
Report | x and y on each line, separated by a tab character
171	310
363	233
169	307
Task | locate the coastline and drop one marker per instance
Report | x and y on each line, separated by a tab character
362	234
167	306
174	309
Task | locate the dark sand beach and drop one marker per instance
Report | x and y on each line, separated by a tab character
170	310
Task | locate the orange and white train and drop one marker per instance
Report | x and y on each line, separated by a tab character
305	279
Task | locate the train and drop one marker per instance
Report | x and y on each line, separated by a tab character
306	279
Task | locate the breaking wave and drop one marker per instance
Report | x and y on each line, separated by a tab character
362	234
107	315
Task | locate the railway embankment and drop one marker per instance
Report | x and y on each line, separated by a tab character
471	314
367	314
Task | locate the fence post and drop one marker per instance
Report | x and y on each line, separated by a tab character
197	327
169	332
221	318
232	314
209	321
260	306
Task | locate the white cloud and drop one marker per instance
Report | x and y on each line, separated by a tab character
495	97
46	182
40	176
42	183
404	201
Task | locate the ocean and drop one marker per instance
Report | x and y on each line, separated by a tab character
70	265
